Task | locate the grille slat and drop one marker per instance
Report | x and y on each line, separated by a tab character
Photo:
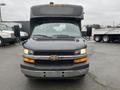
54	63
54	53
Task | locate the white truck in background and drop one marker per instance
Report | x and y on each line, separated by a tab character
23	34
6	36
106	35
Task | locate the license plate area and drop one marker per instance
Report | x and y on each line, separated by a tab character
52	74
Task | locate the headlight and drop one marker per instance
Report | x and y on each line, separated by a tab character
26	51
81	51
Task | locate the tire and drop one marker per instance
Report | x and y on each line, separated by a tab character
97	38
106	39
1	41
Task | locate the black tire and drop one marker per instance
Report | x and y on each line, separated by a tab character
97	38
1	41
106	39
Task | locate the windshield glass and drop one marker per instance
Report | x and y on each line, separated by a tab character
57	29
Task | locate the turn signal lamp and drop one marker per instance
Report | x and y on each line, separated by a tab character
80	60
28	60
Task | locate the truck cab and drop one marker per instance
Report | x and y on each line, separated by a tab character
56	48
6	36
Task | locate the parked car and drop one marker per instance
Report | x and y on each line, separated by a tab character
6	35
24	35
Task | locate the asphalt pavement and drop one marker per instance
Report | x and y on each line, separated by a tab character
103	74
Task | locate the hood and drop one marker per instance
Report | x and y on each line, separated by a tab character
8	31
55	44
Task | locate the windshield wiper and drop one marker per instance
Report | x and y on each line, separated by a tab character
63	36
41	36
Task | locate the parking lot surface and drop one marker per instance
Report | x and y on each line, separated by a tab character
103	74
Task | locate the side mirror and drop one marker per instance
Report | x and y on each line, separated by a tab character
16	31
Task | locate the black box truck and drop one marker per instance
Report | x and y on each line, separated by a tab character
55	48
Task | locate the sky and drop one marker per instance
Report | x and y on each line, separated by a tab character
103	12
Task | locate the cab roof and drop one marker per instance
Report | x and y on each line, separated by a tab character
57	10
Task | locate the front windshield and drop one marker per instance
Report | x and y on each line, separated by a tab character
54	29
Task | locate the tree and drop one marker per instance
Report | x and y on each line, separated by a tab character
96	26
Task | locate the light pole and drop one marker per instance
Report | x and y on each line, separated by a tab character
1	4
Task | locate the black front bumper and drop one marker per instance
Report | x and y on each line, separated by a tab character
55	71
54	68
64	70
8	40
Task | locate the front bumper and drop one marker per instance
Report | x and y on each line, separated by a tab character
55	74
7	40
55	71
